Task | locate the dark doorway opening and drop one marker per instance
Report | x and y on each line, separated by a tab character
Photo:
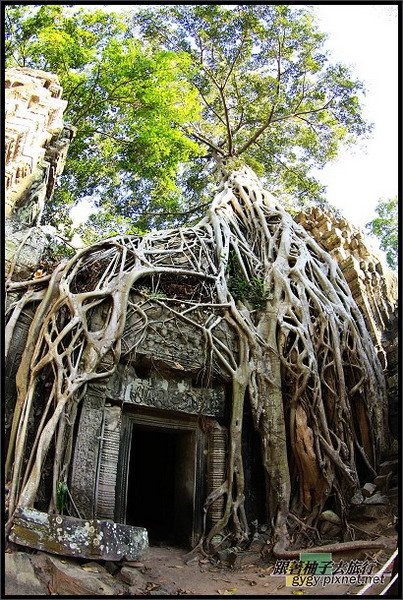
255	488
161	484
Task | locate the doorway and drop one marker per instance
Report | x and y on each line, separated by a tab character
163	486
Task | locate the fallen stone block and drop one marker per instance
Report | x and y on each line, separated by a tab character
132	576
368	489
330	516
257	543
20	578
238	559
65	577
377	499
92	538
367	512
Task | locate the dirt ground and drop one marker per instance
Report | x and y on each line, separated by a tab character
165	572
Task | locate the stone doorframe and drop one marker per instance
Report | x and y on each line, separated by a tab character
162	421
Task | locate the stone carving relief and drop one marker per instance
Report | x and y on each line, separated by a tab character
165	394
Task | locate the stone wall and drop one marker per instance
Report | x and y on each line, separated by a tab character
372	284
166	394
36	145
36	141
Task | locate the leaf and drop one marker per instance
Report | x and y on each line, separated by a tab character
228	592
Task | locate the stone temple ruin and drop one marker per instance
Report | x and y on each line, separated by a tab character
164	408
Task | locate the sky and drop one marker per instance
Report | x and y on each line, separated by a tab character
365	37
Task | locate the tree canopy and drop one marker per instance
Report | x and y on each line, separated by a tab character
158	97
127	103
385	228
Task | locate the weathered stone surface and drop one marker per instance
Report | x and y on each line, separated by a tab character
368	489
377	499
178	346
239	559
66	578
368	512
36	140
132	576
93	539
87	450
31	245
257	543
165	393
329	529
20	578
330	516
108	463
372	284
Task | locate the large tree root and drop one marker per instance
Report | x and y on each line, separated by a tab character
300	352
280	552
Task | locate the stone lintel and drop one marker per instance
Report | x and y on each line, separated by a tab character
166	394
92	539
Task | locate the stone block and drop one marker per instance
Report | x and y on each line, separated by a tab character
132	576
330	516
376	499
368	489
20	578
67	578
92	539
239	559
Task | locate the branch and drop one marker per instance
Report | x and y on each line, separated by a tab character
268	121
237	54
113	137
200	137
209	105
175	213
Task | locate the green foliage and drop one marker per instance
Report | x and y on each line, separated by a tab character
268	92
129	105
157	97
385	228
61	496
254	290
58	250
106	224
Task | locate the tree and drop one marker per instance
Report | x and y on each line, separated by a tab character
304	360
269	93
127	102
385	228
267	90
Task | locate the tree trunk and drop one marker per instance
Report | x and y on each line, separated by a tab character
306	362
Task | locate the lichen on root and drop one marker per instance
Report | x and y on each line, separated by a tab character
304	359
